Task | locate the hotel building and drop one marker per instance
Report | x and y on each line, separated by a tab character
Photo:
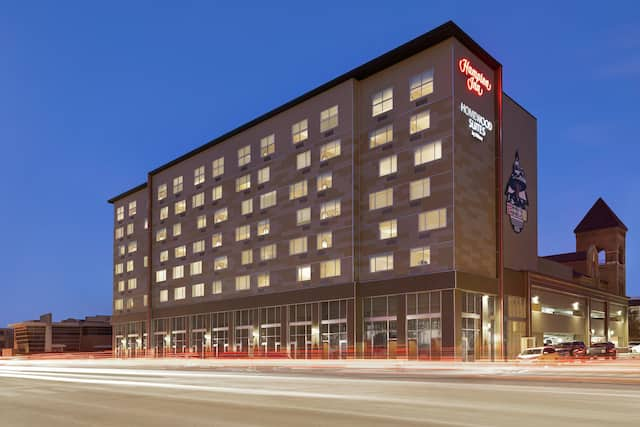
389	212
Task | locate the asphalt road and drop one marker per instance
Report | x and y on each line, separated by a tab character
112	394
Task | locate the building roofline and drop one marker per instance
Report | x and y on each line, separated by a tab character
520	106
566	257
439	34
128	192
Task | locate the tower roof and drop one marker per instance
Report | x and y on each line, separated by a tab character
599	216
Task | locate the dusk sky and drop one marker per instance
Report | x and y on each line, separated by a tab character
96	94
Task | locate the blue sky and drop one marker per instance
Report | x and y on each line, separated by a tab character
95	94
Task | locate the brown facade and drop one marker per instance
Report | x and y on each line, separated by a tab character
374	221
6	338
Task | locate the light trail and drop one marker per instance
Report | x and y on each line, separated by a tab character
93	376
376	393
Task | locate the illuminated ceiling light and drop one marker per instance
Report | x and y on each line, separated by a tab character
535	300
619	312
575	305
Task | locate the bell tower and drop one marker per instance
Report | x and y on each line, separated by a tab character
603	235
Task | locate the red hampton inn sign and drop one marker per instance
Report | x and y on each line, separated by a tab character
476	81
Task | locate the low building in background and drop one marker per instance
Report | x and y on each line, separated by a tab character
90	334
581	295
634	321
6	339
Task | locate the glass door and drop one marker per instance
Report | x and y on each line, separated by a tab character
159	344
334	333
300	340
381	335
470	334
219	340
419	338
120	346
423	337
132	345
244	339
198	344
179	344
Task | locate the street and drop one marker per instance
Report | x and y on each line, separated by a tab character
315	393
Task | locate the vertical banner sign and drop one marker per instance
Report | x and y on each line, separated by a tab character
516	196
478	84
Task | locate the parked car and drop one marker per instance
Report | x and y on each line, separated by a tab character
634	348
571	349
539	353
602	349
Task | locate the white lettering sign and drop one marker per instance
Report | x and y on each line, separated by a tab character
478	125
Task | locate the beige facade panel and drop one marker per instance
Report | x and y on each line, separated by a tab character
520	136
474	166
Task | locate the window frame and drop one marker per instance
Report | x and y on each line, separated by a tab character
418	82
267	145
373	261
330	150
416	122
382	101
244	155
329	118
300	131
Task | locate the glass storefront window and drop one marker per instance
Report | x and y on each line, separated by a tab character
597	315
423	325
381	326
617	325
300	341
334	329
270	329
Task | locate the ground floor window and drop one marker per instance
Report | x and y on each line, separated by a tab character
300	339
160	337
178	337
470	331
219	333
244	331
424	335
618	329
270	329
381	326
199	325
130	339
334	329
